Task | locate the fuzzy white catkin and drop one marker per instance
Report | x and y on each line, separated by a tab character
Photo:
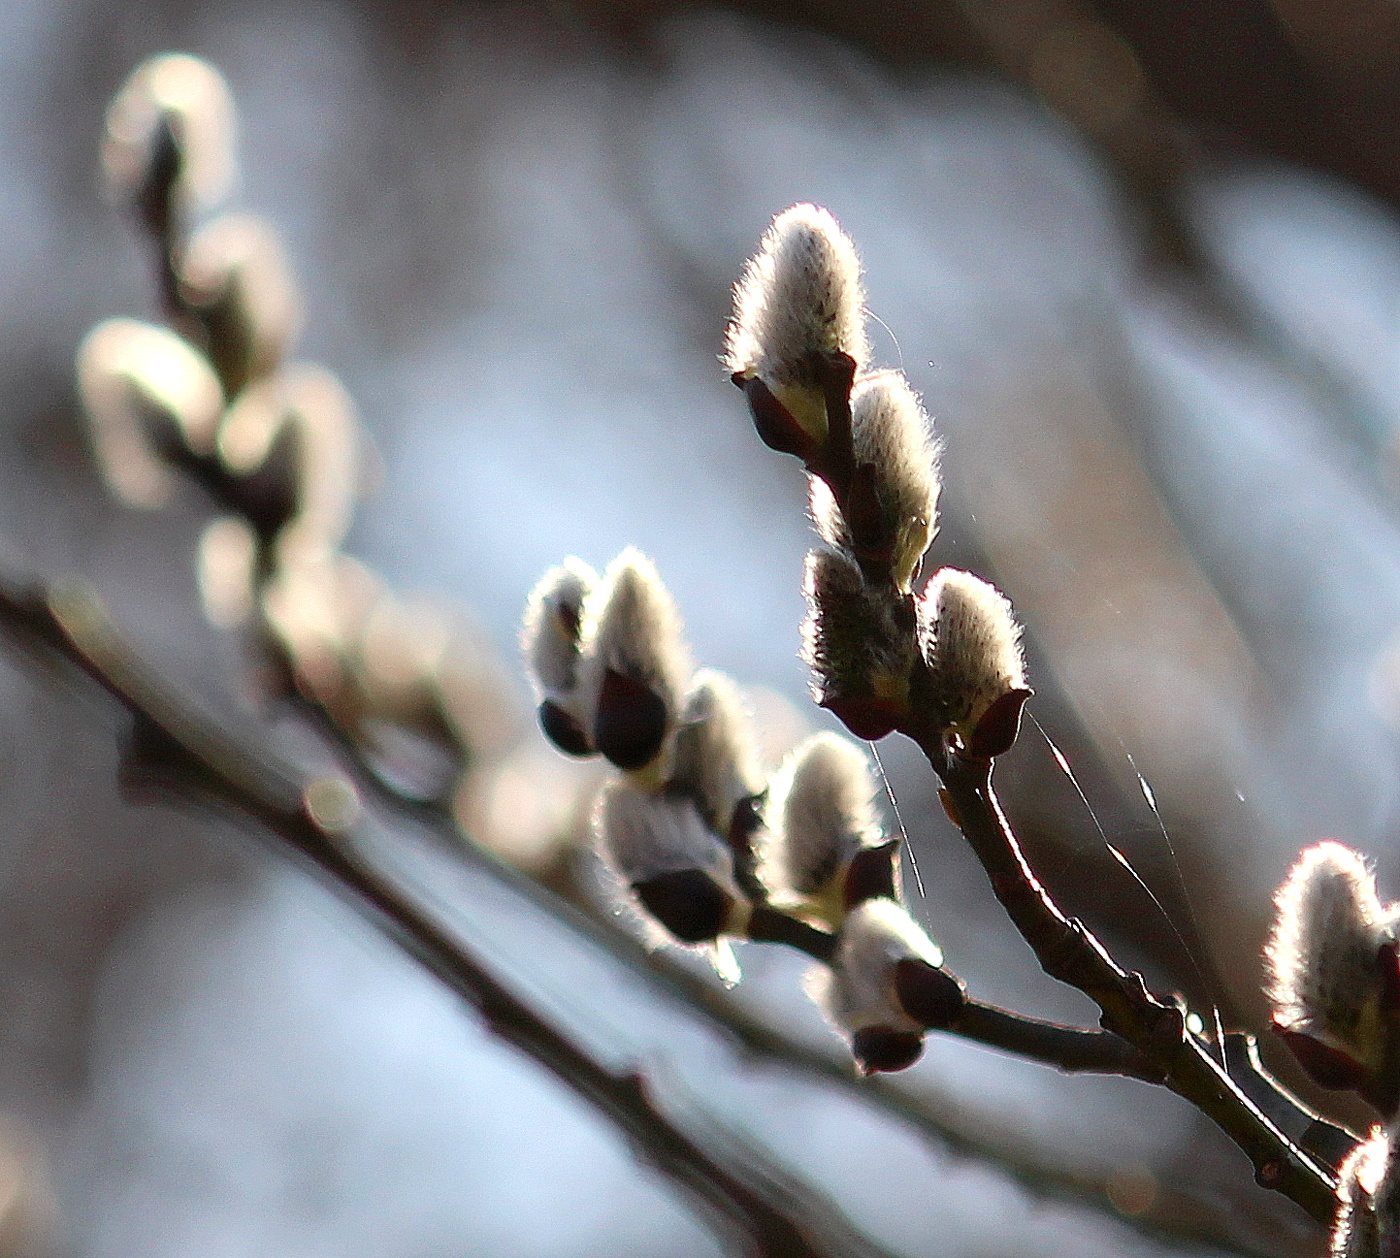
549	638
715	760
859	991
130	374
642	836
631	626
800	296
972	643
195	101
1321	956
891	433
850	639
1361	1188
821	811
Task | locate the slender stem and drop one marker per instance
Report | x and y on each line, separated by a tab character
1071	1049
1068	951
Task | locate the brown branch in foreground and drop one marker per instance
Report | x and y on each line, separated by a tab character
1070	952
752	1202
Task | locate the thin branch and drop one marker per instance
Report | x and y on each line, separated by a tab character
1070	952
754	1203
1063	1048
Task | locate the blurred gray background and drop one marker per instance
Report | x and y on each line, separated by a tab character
1142	267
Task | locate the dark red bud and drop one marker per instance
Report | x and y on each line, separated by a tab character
932	997
687	902
1326	1066
1388	963
1000	724
867	718
873	873
630	724
563	731
773	422
880	1048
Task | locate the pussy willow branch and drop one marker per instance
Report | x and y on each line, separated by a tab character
1177	1218
759	1207
1069	951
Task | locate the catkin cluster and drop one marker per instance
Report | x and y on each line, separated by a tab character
214	400
947	661
1333	979
711	848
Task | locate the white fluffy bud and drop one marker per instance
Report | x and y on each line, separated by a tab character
860	654
1323	962
821	814
149	396
190	98
635	666
234	270
715	760
680	870
800	299
550	641
896	489
972	645
886	986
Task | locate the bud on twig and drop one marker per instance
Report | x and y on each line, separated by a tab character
635	666
827	851
550	641
679	869
887	986
1331	968
892	502
852	639
976	674
1366	1214
169	142
235	274
152	400
715	761
292	444
798	314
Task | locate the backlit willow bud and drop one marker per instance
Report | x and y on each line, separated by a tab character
151	399
972	645
679	869
550	641
234	271
798	308
715	760
1366	1205
169	141
827	852
635	665
887	986
859	653
1327	961
892	506
293	444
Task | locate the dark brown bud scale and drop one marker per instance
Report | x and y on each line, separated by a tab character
879	1048
629	726
563	731
873	873
687	902
932	997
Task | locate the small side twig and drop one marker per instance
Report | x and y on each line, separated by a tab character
1069	951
